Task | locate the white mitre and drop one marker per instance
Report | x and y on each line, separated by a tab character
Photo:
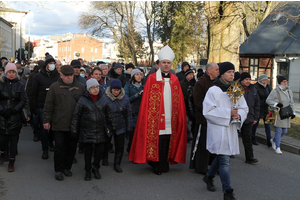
166	53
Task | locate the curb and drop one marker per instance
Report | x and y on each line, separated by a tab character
287	143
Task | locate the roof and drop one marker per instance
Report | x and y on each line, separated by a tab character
279	33
6	22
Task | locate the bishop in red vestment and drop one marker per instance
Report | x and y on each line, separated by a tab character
162	119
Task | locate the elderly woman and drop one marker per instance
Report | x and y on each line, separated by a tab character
120	107
89	123
281	97
263	90
134	91
13	98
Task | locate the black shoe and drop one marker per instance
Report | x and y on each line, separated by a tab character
59	176
210	183
254	142
80	151
88	176
105	162
35	138
67	172
269	144
228	195
118	168
96	173
251	161
157	172
45	154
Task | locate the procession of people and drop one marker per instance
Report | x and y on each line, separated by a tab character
98	108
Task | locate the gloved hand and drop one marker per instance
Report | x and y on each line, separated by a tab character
293	116
279	105
8	113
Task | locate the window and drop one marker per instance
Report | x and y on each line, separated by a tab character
82	49
91	49
253	68
96	50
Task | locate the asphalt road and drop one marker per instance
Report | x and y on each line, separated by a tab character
274	177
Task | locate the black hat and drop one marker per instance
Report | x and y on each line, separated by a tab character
100	62
75	63
130	65
67	70
280	78
237	76
115	84
49	59
224	67
118	65
3	58
184	64
189	71
245	75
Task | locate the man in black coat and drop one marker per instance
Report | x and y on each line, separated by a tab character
189	80
252	99
40	87
126	75
181	75
77	65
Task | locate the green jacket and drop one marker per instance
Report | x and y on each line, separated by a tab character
60	103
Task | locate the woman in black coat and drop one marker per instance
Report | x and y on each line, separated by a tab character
134	91
89	124
263	90
13	98
120	107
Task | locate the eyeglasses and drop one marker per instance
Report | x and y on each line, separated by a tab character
94	87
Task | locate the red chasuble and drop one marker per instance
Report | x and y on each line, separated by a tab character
145	143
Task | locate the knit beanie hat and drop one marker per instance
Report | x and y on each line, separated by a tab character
134	72
130	65
118	65
245	75
10	66
224	67
115	84
189	71
262	77
90	83
237	76
49	59
280	78
26	70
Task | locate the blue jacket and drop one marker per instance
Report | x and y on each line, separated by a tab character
120	109
132	92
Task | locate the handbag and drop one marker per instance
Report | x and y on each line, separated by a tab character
285	112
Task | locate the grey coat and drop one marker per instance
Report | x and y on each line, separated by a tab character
287	99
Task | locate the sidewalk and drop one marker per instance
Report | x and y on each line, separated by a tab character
287	143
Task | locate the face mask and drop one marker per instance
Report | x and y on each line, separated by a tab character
51	67
82	75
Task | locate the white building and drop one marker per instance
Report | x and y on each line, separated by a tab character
6	39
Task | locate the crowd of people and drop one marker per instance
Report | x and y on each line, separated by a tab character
95	108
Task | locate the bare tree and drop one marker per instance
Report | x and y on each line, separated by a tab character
113	19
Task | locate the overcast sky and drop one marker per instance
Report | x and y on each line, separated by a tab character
51	17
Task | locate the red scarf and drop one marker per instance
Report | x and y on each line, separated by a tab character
95	97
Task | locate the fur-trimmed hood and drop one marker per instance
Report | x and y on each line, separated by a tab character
113	97
2	78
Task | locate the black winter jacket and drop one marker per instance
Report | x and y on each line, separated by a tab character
180	75
90	118
124	78
263	93
252	99
40	87
13	124
121	110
